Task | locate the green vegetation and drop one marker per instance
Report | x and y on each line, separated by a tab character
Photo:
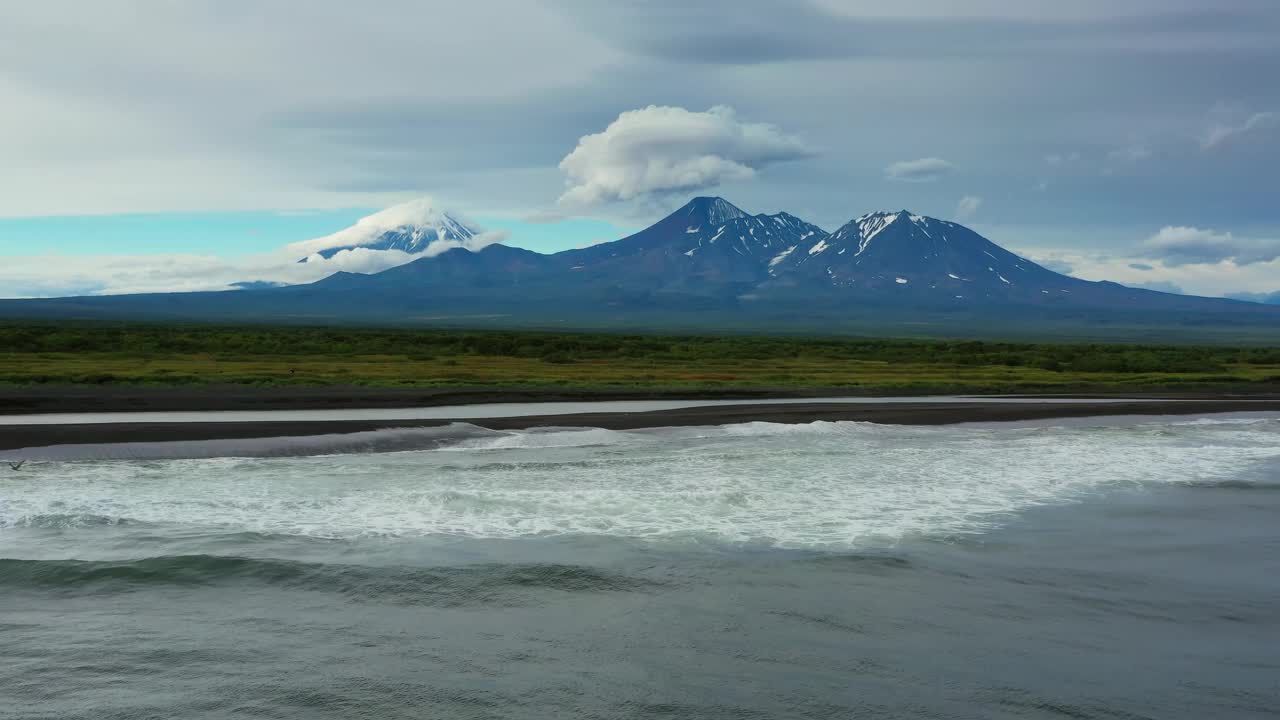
65	353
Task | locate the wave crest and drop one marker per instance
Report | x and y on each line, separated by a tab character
60	521
442	586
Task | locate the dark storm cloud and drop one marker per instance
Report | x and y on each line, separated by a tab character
764	31
210	104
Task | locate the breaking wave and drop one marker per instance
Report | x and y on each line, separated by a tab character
372	441
837	485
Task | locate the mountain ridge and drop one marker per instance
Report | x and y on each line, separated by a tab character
711	253
712	265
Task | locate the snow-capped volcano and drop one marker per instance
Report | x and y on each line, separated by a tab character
706	265
707	226
715	210
755	236
913	253
412	228
709	249
701	247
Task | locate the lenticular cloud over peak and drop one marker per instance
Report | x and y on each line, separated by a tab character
382	240
418	228
662	149
421	212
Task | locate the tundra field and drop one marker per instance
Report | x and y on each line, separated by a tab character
158	355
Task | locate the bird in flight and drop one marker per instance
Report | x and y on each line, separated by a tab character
17	465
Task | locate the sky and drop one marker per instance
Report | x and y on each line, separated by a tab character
151	144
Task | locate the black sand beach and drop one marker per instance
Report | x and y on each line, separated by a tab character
924	412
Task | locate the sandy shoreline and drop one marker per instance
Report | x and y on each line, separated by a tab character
911	413
100	399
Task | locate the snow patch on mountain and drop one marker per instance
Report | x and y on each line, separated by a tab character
781	256
872	225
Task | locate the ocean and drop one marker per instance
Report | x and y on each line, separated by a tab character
1119	568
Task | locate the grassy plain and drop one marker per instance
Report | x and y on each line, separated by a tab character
184	355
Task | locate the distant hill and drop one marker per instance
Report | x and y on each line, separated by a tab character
708	266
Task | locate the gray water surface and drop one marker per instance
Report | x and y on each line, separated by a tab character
831	570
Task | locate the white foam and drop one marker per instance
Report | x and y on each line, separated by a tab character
372	441
826	484
541	438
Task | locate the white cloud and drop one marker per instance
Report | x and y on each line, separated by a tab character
968	207
1055	260
1221	133
1176	246
474	244
1213	279
1163	286
1269	298
657	150
59	275
922	170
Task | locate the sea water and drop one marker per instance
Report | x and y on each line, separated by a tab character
1087	569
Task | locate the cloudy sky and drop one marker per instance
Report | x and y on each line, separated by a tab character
153	144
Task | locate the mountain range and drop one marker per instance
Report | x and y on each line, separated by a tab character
708	265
